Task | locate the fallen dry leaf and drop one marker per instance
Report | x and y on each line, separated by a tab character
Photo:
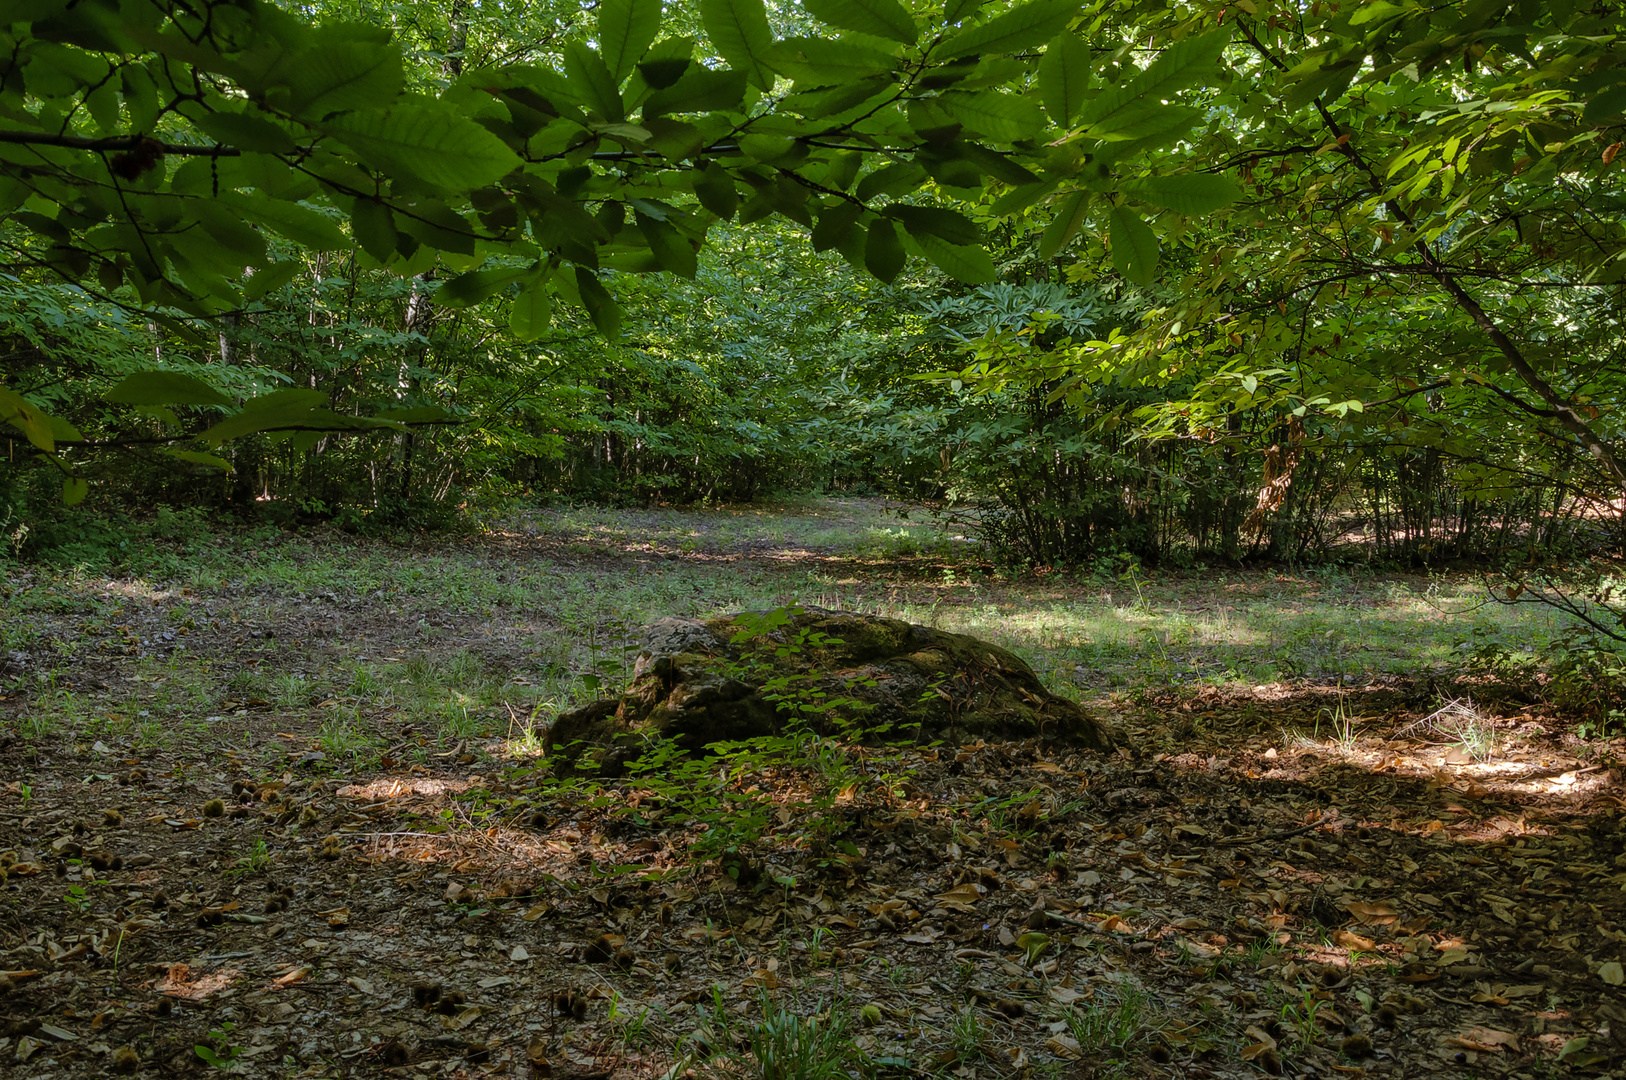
1353	941
1064	1046
293	975
966	893
1381	913
1485	1040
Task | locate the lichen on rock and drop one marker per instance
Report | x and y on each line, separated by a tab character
757	674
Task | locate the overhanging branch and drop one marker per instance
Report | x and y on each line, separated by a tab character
114	143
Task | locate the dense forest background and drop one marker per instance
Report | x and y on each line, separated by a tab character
1383	307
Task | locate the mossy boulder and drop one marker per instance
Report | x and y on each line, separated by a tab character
759	673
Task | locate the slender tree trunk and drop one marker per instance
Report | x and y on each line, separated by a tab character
244	462
451	64
418	312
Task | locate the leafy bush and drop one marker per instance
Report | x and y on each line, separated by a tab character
1588	680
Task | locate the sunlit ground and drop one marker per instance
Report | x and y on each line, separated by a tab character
520	623
1320	830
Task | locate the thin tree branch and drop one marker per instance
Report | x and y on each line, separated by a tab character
1565	412
114	143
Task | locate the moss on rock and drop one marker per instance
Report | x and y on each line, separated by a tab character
756	674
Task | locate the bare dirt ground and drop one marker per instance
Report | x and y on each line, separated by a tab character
246	830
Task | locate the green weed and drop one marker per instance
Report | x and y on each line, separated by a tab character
77	898
1340	732
788	1046
218	1052
632	1032
1109	1027
256	860
1300	1017
364	682
35	725
966	1039
343	736
291	691
1460	723
456	722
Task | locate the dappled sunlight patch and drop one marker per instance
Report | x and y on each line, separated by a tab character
1495	830
1309	741
386	788
137	589
499	852
1574	784
531	744
471	850
180	981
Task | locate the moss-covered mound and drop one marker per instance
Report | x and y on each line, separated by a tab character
760	673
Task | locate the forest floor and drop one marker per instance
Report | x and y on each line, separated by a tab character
274	804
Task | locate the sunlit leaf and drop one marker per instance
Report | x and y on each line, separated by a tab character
343	75
1064	76
699	90
197	457
951	226
881	18
999	116
967	264
432	145
532	312
592	80
1183	64
476	285
739	31
26	417
300	223
625	30
1134	245
1065	225
246	132
1188	193
1019	28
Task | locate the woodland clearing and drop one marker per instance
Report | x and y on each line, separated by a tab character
1154	291
275	805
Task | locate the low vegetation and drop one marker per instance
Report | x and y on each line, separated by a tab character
293	812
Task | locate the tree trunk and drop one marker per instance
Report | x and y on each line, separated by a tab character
419	309
451	64
245	466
